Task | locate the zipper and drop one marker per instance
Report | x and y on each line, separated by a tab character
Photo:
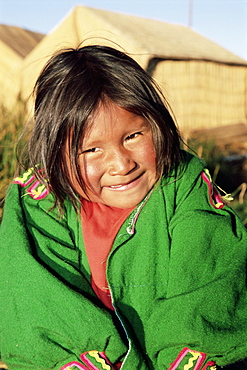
125	331
135	214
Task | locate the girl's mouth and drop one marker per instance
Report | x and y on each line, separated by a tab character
122	187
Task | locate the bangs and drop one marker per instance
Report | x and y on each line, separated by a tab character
69	92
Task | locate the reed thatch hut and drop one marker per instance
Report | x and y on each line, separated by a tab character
15	44
205	84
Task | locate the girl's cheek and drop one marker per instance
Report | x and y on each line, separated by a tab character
91	172
148	153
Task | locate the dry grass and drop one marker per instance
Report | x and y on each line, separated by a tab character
227	164
11	124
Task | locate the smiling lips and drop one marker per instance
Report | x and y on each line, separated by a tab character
122	187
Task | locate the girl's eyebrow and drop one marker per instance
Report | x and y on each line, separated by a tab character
139	124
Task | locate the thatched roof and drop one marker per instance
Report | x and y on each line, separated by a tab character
168	41
18	39
15	44
164	40
143	38
150	41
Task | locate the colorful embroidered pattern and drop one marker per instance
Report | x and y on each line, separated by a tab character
216	200
192	360
93	360
36	190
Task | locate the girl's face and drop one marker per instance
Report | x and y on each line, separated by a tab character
117	158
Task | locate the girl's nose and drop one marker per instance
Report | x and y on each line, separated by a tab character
120	162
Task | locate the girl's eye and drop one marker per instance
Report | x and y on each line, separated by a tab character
91	150
133	136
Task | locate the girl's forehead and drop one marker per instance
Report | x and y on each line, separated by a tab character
110	118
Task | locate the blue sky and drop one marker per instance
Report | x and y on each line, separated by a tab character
222	21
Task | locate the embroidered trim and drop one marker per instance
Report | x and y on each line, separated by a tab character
94	360
99	358
73	366
134	215
26	178
37	190
191	360
216	200
210	366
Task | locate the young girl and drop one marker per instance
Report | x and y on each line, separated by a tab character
116	249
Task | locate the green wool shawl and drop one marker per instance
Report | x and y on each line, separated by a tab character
176	272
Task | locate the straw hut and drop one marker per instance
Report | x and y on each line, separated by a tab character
15	44
204	83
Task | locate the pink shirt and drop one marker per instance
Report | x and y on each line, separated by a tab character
100	225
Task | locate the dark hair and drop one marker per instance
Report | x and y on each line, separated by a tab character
69	90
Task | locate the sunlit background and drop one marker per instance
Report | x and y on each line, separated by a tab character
195	49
